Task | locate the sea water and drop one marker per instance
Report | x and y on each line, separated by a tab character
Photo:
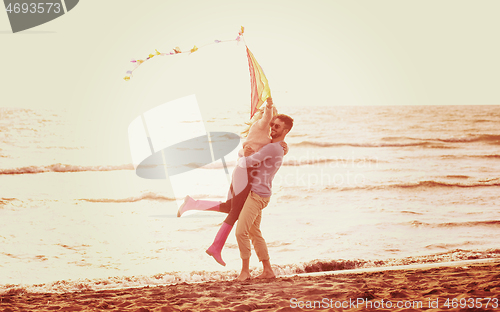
360	186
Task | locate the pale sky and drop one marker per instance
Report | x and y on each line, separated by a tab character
313	52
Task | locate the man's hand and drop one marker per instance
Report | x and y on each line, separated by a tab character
247	151
285	147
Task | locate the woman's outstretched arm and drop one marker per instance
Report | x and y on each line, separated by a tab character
268	114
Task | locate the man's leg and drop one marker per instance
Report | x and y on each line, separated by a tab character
260	246
245	270
249	227
268	270
251	210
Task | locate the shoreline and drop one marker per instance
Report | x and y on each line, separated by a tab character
415	266
461	281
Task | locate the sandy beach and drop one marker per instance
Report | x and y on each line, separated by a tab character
472	286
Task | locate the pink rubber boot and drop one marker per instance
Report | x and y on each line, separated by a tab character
220	240
203	205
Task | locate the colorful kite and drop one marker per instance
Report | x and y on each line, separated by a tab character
259	84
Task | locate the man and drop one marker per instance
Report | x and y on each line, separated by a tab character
266	163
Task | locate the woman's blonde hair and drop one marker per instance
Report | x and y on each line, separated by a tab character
256	117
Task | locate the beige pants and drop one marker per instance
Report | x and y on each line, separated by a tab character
248	227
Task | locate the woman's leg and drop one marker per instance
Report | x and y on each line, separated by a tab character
238	201
225	207
200	205
241	187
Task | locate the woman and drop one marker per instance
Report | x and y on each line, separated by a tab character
257	135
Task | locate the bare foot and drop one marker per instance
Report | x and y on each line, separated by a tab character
244	275
267	275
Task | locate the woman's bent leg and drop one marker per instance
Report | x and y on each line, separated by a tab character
201	205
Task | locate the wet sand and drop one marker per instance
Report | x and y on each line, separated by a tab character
453	287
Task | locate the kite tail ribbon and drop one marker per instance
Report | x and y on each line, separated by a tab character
259	84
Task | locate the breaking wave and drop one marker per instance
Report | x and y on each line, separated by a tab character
409	142
430	184
424	184
469	224
486	138
63	168
491	156
330	144
146	196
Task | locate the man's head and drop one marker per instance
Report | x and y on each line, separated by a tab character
280	126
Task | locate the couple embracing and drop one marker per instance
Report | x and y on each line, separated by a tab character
250	190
